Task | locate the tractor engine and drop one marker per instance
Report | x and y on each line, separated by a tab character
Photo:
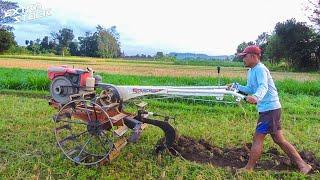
69	81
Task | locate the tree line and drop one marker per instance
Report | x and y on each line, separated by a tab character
294	43
102	43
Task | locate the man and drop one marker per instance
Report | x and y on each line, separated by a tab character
263	93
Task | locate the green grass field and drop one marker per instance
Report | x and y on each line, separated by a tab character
28	146
28	149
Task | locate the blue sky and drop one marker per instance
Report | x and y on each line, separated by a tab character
213	27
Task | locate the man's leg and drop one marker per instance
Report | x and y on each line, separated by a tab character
256	150
290	151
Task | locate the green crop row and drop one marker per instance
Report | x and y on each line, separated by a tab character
22	79
209	63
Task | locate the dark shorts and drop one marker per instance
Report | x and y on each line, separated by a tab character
269	122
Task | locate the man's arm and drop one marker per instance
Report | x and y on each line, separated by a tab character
262	79
245	89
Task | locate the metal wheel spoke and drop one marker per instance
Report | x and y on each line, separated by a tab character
109	139
84	146
95	112
86	107
82	133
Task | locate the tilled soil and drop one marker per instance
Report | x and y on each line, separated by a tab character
147	69
236	157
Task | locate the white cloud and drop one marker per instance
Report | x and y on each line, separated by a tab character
206	26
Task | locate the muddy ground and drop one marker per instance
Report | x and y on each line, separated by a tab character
237	157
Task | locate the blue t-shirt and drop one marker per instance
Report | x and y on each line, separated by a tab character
260	84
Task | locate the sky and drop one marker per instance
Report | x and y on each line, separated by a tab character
213	27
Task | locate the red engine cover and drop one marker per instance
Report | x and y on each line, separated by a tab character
62	70
83	78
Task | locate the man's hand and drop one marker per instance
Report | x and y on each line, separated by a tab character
252	99
232	86
229	86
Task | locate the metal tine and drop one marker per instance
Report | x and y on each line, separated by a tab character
120	131
110	106
66	126
118	117
61	116
69	138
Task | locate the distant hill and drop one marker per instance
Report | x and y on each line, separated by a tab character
185	56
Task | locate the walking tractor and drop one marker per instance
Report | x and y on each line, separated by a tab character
91	126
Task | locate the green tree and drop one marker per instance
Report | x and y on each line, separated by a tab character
274	51
34	46
300	44
52	46
159	55
102	43
108	44
45	44
64	38
262	42
74	48
6	40
88	45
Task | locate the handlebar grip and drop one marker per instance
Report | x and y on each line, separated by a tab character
218	69
240	92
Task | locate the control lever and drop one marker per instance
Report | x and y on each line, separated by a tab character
218	68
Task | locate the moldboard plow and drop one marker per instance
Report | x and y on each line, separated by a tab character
91	124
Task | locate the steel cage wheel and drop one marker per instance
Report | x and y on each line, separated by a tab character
84	132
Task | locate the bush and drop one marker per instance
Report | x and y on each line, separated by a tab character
20	50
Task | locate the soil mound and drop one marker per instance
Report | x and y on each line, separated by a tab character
235	157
